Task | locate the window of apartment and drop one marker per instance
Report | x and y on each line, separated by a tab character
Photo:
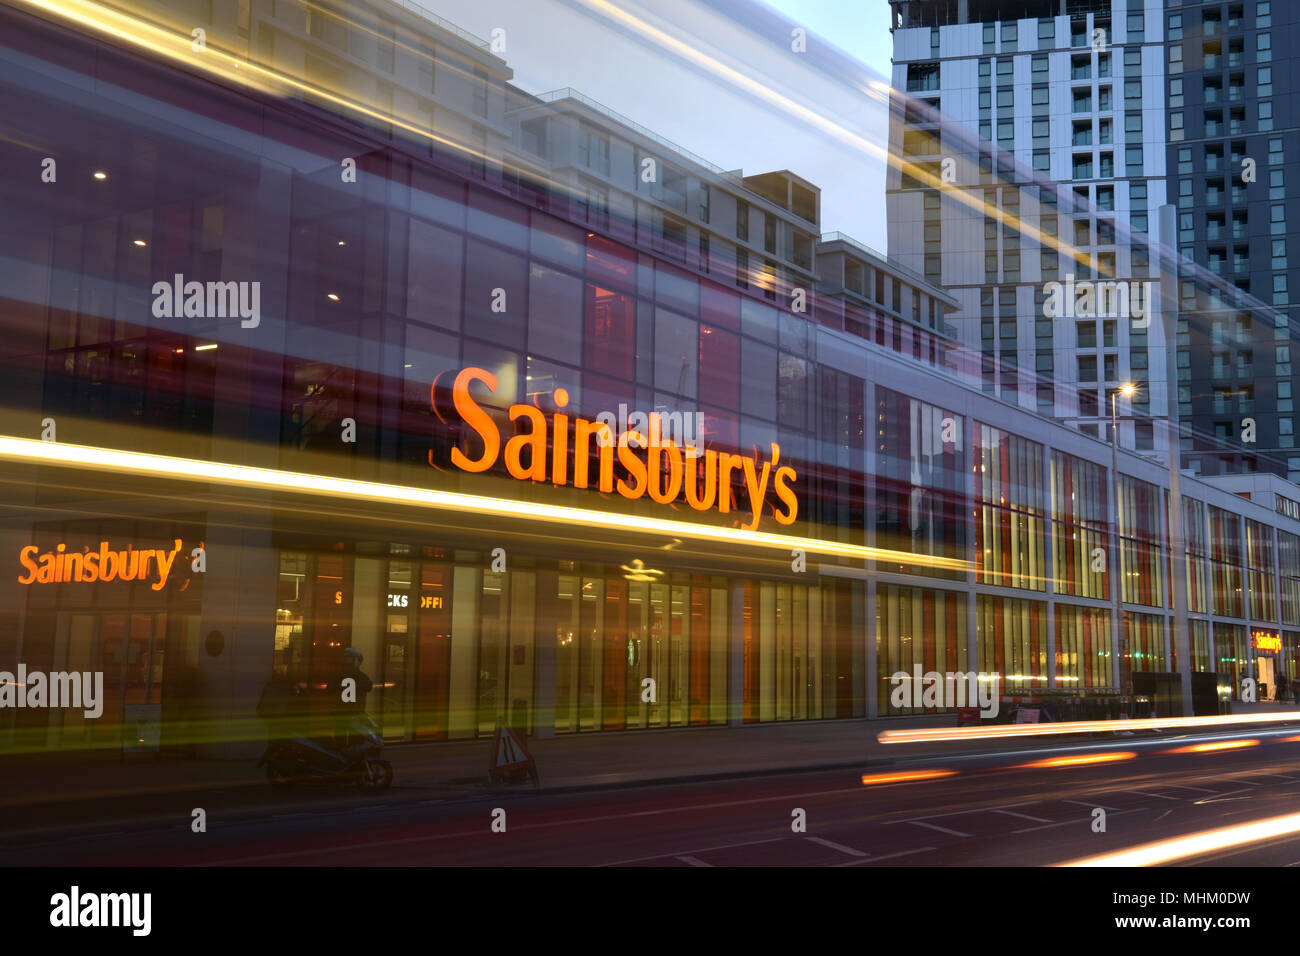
769	232
1040	95
1265	115
986	70
1005	99
1009	33
986	99
1087	368
1103	99
1263	47
742	268
922	77
1042	160
1081	167
1082	101
1087	335
742	220
1263	11
593	204
704	197
1038	64
1136	27
1082	133
990	37
480	91
1132	122
1081	67
1133	160
1046	34
1175	26
1264	81
1176	92
593	150
1103	64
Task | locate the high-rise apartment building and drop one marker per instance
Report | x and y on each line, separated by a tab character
1030	151
1232	155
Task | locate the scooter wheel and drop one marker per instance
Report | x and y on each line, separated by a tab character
378	778
275	777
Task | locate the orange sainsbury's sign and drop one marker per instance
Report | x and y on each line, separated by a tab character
663	470
62	566
1266	641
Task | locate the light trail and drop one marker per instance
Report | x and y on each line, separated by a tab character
117	461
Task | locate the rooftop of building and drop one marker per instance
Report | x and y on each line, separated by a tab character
942	13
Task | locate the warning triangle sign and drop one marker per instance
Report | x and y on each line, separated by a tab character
508	751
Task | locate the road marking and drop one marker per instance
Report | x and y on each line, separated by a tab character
707	849
935	826
1180	786
693	861
1090	806
1023	816
429	838
885	856
1066	822
1145	793
954	813
838	846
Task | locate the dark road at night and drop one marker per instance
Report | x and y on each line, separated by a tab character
990	810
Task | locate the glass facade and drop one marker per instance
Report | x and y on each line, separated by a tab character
575	309
1012	510
1080	544
917	628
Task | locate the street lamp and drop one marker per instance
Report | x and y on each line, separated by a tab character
1128	390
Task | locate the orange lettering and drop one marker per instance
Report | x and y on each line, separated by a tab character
635	467
786	494
664	496
710	481
533	440
474	416
583	431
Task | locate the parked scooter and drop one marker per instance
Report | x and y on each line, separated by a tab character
307	760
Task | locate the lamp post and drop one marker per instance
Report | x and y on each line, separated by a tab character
1128	389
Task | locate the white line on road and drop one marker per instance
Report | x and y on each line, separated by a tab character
428	838
693	861
1090	806
1067	822
885	856
953	813
935	826
1023	816
837	846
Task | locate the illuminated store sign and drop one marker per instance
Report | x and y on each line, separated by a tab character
664	471
62	566
1266	641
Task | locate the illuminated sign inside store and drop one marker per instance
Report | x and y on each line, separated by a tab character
664	471
1266	641
397	600
62	566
